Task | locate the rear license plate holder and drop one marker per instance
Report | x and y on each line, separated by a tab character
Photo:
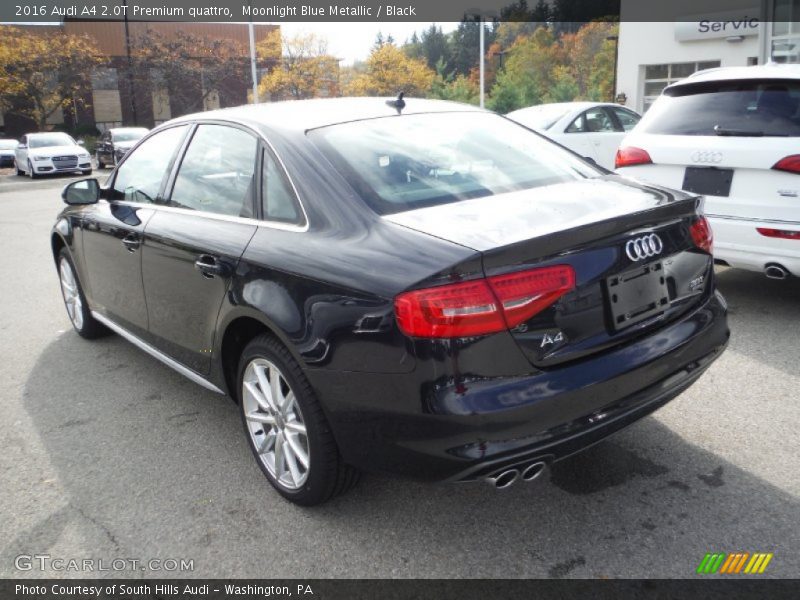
637	294
710	181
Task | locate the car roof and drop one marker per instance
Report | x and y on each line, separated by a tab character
302	115
112	129
767	71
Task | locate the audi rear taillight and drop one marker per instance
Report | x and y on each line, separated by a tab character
631	156
702	235
481	306
790	164
785	234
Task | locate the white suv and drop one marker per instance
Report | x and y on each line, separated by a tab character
733	135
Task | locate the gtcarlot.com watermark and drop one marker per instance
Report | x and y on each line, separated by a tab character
46	562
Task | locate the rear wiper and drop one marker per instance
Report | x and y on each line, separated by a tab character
745	133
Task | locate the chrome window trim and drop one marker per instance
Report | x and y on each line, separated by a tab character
157	354
216	216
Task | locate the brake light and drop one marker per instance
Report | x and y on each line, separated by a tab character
779	233
631	156
702	235
790	164
481	306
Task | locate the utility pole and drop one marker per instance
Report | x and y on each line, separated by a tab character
253	63
482	66
131	87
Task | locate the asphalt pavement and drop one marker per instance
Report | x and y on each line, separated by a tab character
105	454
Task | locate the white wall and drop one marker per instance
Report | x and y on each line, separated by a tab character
653	43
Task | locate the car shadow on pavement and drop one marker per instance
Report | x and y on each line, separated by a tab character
151	465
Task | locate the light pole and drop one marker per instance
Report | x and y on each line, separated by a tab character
615	39
482	66
253	63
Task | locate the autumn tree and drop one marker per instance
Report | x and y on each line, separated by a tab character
189	67
40	74
387	71
591	59
304	67
528	71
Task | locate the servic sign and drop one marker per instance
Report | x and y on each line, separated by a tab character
718	25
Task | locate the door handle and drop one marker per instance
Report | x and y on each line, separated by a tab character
210	266
132	241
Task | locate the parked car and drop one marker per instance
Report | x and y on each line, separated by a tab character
48	153
592	129
7	148
114	143
733	135
441	294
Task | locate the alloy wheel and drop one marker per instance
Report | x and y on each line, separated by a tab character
72	295
275	424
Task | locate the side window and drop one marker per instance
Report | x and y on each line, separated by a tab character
626	118
216	174
577	125
598	121
278	202
139	178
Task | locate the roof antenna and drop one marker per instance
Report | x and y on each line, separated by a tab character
398	104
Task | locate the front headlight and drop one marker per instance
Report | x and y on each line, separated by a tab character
40	158
83	155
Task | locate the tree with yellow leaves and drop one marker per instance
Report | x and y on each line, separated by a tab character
40	74
387	71
304	68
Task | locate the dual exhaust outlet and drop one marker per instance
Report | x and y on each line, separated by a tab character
508	476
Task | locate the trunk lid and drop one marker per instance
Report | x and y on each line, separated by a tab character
587	225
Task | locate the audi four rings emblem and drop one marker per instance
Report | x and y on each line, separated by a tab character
644	247
706	156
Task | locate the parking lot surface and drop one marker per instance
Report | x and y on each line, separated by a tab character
106	453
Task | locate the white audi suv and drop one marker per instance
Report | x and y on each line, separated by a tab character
733	135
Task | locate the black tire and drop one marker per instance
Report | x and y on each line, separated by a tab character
31	172
328	475
100	163
20	172
88	327
86	172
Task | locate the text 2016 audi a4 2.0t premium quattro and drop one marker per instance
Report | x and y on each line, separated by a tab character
435	291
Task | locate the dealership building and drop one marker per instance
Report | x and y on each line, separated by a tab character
652	55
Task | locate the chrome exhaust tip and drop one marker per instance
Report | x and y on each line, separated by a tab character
533	470
776	272
504	479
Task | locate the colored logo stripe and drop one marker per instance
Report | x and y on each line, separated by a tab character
730	564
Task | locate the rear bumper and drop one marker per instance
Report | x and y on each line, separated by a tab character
737	242
409	425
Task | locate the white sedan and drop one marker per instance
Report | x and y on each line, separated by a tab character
733	135
592	129
48	153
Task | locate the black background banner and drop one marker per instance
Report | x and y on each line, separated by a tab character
401	589
276	11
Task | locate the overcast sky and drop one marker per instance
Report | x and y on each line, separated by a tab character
353	41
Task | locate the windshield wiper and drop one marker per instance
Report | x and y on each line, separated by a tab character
745	133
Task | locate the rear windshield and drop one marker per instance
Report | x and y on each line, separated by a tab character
413	161
8	144
728	108
543	116
130	135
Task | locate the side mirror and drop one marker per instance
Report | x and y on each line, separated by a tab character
81	143
86	191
